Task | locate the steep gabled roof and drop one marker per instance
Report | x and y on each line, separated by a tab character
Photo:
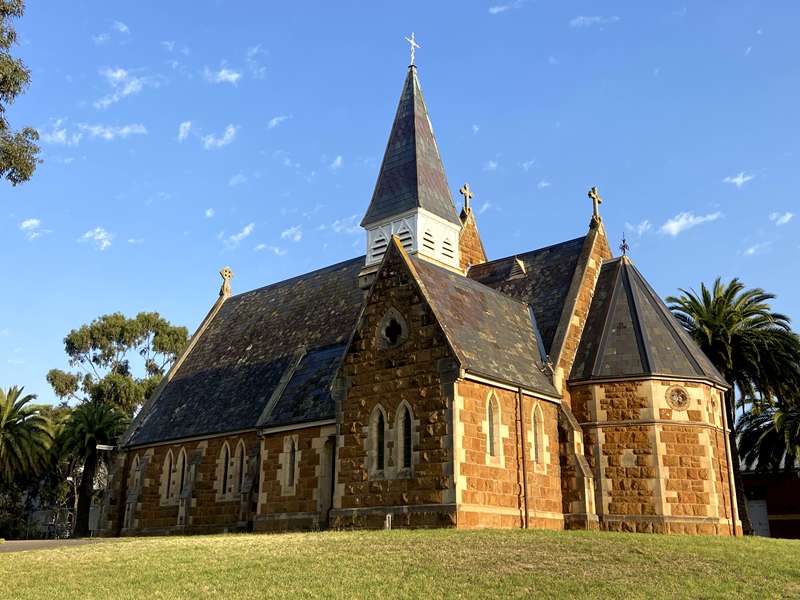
543	285
289	337
491	334
411	175
631	332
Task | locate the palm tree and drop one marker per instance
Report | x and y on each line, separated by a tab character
769	438
753	347
25	435
90	424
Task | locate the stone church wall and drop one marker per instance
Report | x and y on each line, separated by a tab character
200	507
470	246
490	488
300	501
416	373
657	468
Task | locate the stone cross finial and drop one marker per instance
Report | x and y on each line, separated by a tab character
596	202
414	46
467	193
624	247
227	275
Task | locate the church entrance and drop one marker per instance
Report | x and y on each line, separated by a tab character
327	480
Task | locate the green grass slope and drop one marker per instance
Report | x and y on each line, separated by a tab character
409	564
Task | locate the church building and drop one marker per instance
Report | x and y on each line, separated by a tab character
425	385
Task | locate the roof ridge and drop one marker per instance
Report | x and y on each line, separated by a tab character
519	254
300	276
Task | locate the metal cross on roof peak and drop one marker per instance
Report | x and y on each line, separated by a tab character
624	247
467	193
414	46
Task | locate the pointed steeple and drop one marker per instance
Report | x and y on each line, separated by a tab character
411	175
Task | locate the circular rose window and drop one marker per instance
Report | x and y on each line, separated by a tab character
677	398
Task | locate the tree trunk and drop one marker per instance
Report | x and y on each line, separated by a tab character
741	500
85	493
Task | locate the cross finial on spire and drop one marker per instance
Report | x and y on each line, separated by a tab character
596	202
414	46
467	193
624	247
227	275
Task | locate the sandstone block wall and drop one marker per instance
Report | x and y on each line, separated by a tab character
657	468
490	489
417	373
198	508
470	245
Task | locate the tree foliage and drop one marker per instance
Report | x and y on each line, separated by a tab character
18	149
90	424
25	435
753	347
103	352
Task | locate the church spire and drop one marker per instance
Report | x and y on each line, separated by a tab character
411	175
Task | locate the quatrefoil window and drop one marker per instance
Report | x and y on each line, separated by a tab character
392	329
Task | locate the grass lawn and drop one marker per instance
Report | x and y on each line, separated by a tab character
410	564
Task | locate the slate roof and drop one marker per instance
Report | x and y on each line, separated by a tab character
492	334
544	284
411	174
229	376
630	331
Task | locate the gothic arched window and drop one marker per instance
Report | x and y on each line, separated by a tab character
166	477
226	459
380	439
292	464
493	441
241	471
537	442
407	441
181	471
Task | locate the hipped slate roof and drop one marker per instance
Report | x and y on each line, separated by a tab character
492	335
544	284
630	332
290	334
411	175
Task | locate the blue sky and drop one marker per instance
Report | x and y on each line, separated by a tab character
179	137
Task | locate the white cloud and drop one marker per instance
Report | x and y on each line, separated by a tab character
234	240
347	225
275	121
209	213
582	21
294	233
237	179
58	135
336	164
543	183
257	70
99	237
501	8
526	165
476	129
484	207
110	132
640	228
32	228
169	45
101	38
739	180
123	84
136	241
211	141
120	27
5	331
490	165
686	220
183	130
552	60
274	249
781	218
224	75
757	248
748	50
